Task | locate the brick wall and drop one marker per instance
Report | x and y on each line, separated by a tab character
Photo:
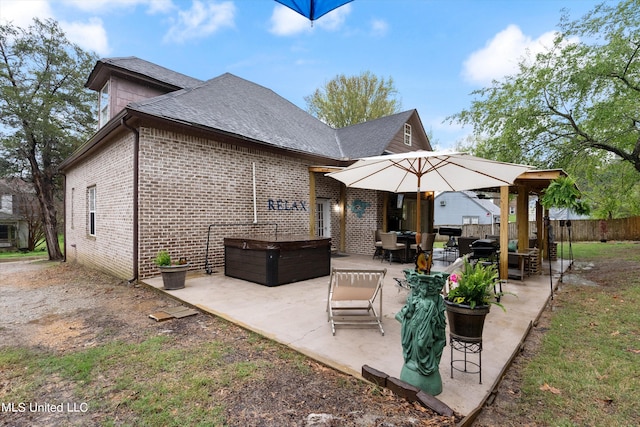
360	228
111	172
188	183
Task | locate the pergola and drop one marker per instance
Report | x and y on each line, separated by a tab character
528	183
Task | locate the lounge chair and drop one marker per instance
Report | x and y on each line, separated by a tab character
351	297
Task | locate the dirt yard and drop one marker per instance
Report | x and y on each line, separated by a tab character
62	309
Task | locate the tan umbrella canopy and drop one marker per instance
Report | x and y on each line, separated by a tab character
428	171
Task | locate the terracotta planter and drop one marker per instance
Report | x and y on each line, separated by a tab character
174	276
466	324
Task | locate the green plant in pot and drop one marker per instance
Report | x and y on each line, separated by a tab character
470	298
173	274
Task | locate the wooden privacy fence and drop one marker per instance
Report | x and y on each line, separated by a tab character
582	230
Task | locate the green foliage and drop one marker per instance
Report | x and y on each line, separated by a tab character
346	101
163	259
563	193
474	285
45	111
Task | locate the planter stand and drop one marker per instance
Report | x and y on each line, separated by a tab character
466	347
465	335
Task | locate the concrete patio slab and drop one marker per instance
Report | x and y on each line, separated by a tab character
295	315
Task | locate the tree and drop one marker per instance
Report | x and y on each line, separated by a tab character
45	111
580	98
26	205
346	101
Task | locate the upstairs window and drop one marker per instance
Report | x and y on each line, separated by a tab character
103	106
91	199
407	134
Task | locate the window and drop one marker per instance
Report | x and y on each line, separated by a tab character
91	198
73	199
467	220
104	105
407	134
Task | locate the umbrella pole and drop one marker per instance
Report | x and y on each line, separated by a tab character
418	219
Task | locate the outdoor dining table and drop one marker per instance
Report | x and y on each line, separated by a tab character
408	238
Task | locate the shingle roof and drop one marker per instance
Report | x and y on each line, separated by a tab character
144	68
371	138
238	106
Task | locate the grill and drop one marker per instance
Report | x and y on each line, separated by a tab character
484	248
449	231
452	233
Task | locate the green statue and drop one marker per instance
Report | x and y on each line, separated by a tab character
423	331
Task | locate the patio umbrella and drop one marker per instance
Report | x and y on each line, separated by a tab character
428	171
313	9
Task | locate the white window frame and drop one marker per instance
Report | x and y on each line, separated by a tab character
92	208
103	105
407	134
470	220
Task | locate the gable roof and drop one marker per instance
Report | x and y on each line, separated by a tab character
141	70
247	110
485	204
240	109
371	138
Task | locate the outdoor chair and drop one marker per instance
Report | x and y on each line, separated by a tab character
390	245
352	293
426	243
377	243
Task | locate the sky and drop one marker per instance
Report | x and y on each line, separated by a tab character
437	52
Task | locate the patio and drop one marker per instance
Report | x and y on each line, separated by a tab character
294	315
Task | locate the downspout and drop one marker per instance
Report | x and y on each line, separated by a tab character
136	162
64	215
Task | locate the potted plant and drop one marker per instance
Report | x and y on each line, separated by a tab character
469	300
173	274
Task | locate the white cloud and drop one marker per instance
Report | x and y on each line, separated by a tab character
201	21
501	55
89	36
286	22
379	27
153	6
15	11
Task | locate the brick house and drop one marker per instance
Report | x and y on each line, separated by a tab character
174	154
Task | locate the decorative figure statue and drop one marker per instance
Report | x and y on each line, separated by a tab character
423	261
423	331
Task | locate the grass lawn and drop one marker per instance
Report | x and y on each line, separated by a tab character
587	369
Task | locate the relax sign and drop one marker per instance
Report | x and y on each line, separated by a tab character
286	205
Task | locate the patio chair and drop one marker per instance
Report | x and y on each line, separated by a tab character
377	243
352	293
426	244
390	245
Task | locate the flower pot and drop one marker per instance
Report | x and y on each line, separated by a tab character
466	324
174	276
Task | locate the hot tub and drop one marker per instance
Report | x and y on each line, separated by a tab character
277	261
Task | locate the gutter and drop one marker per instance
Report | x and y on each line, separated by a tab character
136	178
